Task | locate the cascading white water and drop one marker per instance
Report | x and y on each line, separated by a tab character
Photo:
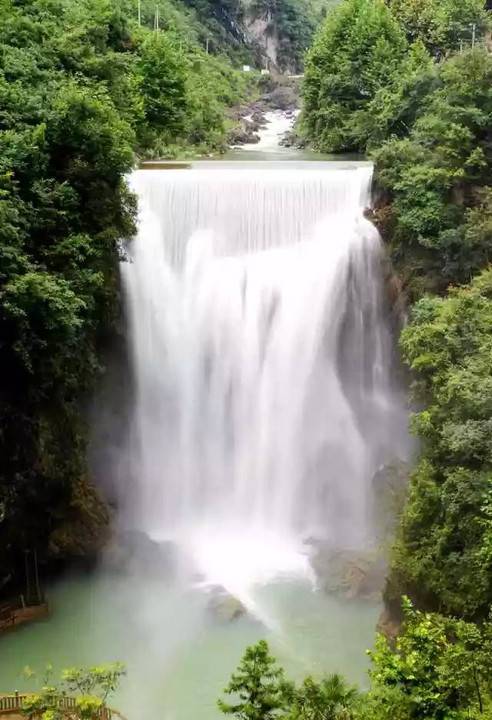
263	400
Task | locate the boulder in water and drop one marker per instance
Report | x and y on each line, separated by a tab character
353	574
224	606
135	552
242	135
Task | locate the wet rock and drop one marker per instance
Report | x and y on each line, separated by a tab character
134	552
224	606
352	574
389	486
243	134
86	525
282	98
389	625
258	118
293	139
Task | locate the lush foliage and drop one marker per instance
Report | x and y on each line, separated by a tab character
359	48
436	179
443	25
263	693
65	144
438	669
444	554
87	689
329	698
372	86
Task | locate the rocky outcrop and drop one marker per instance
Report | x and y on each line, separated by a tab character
243	134
351	574
85	528
223	606
389	624
389	488
133	552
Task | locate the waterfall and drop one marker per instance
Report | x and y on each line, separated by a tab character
262	362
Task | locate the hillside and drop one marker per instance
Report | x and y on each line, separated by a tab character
264	33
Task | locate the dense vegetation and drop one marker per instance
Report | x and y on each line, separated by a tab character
439	669
82	87
444	553
410	84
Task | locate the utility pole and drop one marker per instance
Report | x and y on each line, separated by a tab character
206	45
156	18
139	12
474	34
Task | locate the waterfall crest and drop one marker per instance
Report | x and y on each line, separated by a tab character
262	360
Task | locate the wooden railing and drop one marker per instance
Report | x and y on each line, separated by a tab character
10	704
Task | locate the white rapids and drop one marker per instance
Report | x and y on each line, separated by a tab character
262	362
278	123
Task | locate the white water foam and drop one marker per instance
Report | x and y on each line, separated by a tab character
277	124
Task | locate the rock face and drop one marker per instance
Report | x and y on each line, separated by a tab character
389	625
135	553
348	573
224	606
243	134
389	486
86	526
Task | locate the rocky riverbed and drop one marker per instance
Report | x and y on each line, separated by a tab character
252	118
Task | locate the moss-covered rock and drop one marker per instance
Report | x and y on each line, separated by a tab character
85	527
352	574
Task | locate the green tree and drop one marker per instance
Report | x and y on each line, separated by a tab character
440	668
442	25
442	557
162	82
355	54
259	686
435	181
